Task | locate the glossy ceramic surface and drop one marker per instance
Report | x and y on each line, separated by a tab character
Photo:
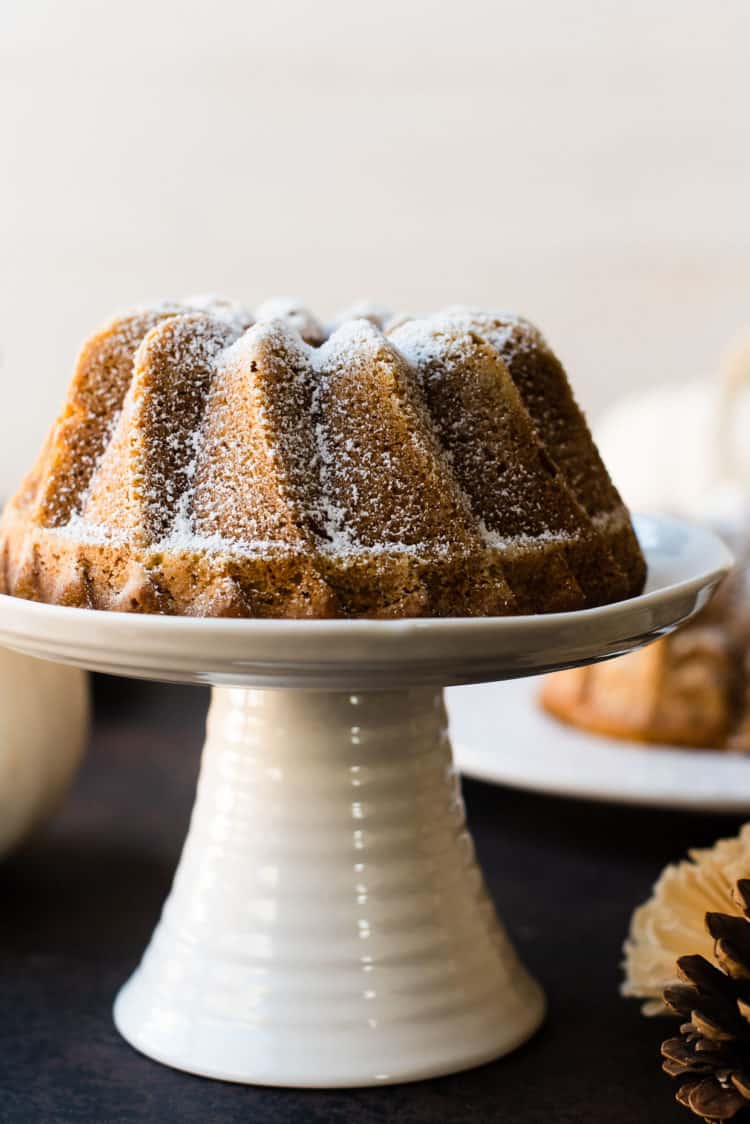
328	923
531	750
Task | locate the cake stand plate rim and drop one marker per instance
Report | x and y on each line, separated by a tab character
686	562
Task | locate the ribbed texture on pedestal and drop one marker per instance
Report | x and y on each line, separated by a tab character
328	924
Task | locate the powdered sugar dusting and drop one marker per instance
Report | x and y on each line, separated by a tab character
294	313
346	481
231	312
340	350
504	543
347	344
376	313
435	344
509	333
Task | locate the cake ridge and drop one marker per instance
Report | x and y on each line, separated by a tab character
517	495
155	439
562	427
358	360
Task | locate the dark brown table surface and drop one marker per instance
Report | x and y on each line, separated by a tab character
78	905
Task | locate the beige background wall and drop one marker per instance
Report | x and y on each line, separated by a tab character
585	162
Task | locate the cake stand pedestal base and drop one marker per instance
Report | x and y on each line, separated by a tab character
328	923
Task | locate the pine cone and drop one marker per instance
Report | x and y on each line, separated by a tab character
713	1050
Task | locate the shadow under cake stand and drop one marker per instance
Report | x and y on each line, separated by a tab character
328	924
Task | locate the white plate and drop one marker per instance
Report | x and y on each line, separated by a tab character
501	735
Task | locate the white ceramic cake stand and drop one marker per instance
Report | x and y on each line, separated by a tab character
328	923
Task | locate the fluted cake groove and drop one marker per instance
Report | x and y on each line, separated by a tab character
211	462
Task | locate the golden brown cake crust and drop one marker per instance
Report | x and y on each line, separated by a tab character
653	696
689	689
208	462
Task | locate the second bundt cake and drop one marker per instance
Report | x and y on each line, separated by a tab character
214	463
689	689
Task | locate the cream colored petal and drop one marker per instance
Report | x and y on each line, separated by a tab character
672	922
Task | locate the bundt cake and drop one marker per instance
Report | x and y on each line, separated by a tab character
214	463
690	689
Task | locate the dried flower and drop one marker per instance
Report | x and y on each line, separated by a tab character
671	923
